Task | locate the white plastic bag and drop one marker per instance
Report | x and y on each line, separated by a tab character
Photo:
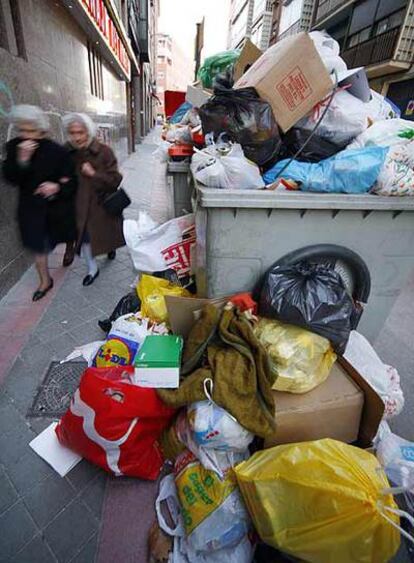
161	152
397	175
328	50
396	455
213	460
382	378
345	119
380	108
239	550
87	352
232	170
384	133
214	428
166	246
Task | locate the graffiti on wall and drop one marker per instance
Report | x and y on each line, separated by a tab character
6	99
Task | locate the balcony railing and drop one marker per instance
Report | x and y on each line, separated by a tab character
327	7
374	51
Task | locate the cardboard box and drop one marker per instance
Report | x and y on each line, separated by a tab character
158	361
196	95
291	76
248	55
344	407
184	311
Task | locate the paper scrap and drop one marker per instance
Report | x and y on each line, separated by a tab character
48	447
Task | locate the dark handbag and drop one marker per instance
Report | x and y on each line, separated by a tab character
116	202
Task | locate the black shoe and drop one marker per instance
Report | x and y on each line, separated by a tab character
112	255
40	293
88	280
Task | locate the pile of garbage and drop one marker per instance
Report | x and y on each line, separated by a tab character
195	393
262	415
286	125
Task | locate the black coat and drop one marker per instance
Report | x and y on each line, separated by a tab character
43	222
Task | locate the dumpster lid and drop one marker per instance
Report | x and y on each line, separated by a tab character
211	197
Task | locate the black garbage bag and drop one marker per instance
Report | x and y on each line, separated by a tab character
129	303
317	149
247	119
311	296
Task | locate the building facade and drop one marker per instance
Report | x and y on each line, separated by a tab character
64	55
175	70
290	17
250	19
379	35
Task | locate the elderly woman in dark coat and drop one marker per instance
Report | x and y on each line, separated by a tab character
98	175
44	173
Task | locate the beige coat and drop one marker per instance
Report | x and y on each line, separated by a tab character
104	230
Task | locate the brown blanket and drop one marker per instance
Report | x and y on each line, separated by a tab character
239	367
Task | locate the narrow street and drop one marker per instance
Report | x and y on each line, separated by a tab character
43	517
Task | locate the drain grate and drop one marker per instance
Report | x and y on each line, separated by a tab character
56	391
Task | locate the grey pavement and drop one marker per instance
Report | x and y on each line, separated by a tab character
44	518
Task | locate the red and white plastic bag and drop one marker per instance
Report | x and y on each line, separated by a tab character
115	424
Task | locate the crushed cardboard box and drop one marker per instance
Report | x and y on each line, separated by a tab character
291	76
248	55
344	407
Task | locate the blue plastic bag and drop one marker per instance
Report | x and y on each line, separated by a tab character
352	171
180	112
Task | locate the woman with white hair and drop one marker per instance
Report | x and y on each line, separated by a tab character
45	176
98	176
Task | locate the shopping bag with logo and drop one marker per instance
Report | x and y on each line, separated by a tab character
213	511
154	249
182	435
124	340
322	501
115	424
168	503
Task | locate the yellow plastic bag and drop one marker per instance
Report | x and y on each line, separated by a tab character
152	291
212	508
301	359
322	501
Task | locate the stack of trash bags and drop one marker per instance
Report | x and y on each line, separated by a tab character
352	142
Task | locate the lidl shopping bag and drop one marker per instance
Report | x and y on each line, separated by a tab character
116	424
213	511
321	501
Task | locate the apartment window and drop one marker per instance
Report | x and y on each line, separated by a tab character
95	72
360	37
11	30
391	22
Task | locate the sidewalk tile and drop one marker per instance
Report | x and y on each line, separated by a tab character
14	444
28	472
88	552
23	381
83	474
48	498
95	494
37	551
8	495
9	415
72	528
16	529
